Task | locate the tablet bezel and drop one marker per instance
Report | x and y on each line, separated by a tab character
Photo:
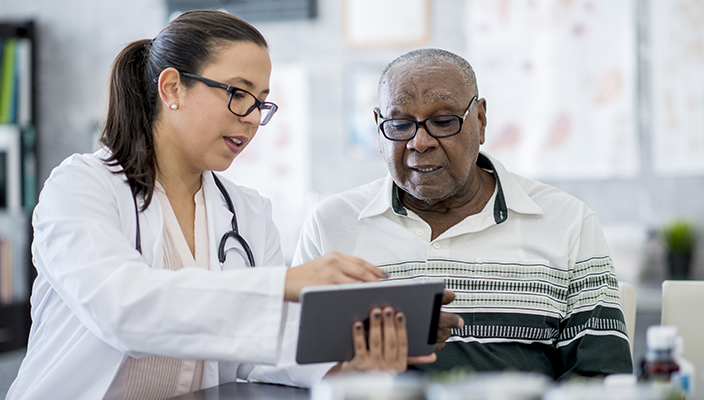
328	312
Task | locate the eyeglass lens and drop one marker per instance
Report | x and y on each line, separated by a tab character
438	126
242	103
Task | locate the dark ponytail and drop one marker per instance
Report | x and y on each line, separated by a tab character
188	43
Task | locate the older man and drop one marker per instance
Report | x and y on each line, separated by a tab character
529	264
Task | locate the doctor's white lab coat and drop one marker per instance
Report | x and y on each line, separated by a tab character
97	300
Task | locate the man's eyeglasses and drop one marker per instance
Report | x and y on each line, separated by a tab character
241	102
437	126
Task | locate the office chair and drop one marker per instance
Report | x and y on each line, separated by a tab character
683	307
628	304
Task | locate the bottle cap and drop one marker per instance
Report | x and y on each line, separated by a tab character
661	337
679	346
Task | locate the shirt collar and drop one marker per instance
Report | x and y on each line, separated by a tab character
510	195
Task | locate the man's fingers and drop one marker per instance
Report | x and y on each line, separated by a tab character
443	335
439	346
448	296
449	320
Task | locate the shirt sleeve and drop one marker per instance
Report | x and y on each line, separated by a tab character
309	245
593	338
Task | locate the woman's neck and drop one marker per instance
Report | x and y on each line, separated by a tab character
179	185
176	180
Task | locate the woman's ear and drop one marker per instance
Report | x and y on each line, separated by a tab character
170	87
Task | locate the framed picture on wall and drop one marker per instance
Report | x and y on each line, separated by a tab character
10	169
385	23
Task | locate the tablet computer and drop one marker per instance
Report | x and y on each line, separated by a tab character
328	312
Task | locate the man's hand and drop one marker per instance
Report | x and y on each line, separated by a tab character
447	321
329	269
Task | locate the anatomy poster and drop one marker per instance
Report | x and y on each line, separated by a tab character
559	78
677	86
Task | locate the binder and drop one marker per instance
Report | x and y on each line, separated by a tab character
10	169
8	81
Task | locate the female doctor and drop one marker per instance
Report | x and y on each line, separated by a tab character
145	286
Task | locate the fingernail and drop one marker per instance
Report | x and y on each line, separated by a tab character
400	318
386	274
461	323
358	326
388	314
377	315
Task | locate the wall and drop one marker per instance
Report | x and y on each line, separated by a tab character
80	38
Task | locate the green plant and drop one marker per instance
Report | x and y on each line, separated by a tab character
680	236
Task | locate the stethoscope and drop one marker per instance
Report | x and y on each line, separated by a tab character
232	233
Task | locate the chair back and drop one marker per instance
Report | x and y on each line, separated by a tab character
629	299
683	307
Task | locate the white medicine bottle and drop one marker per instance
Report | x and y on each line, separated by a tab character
685	377
660	362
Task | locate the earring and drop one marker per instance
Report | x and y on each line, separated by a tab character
174	106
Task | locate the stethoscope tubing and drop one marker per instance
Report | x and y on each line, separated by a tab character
233	233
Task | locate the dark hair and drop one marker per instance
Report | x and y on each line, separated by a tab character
188	43
433	56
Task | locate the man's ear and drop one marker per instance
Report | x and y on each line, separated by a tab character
169	86
481	117
377	115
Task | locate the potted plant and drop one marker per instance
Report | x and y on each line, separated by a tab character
680	236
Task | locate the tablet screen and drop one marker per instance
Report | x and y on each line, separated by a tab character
328	312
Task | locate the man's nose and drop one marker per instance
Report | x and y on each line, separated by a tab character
422	141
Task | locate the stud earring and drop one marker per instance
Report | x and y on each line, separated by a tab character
174	106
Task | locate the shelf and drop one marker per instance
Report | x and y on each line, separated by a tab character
14	326
18	192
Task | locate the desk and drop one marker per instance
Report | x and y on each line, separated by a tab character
248	391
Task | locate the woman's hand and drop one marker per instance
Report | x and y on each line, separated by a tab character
329	269
387	346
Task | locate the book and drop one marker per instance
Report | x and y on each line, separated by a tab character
29	167
24	82
10	169
5	271
8	82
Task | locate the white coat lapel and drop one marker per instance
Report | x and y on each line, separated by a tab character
151	225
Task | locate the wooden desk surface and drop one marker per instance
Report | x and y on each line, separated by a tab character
248	391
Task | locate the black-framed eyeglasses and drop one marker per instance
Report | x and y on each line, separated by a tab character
437	126
241	102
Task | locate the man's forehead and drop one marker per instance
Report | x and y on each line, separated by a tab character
412	82
399	99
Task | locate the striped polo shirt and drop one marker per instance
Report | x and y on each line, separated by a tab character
532	274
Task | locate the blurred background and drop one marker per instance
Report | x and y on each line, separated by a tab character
603	99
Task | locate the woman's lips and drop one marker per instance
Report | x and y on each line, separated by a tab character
235	143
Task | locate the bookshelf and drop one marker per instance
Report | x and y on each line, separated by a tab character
18	182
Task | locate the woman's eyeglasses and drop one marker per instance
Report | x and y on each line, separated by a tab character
241	102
